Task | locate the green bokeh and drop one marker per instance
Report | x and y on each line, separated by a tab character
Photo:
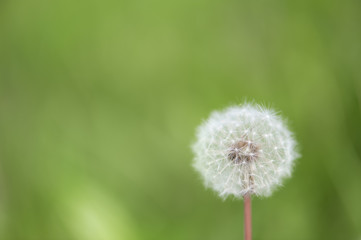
99	101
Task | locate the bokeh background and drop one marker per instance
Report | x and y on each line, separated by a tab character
99	101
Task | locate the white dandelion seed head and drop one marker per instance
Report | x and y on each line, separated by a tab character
244	149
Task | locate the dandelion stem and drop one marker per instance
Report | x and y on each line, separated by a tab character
247	217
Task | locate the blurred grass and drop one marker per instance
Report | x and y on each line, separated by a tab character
99	101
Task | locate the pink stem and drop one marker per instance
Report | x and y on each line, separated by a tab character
247	218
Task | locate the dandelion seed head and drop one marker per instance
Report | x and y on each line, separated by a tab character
245	149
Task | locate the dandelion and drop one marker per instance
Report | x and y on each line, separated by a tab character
242	151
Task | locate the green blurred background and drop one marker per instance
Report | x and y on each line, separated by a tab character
99	101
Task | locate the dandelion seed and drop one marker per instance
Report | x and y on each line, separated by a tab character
242	156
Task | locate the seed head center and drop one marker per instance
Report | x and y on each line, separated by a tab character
243	151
